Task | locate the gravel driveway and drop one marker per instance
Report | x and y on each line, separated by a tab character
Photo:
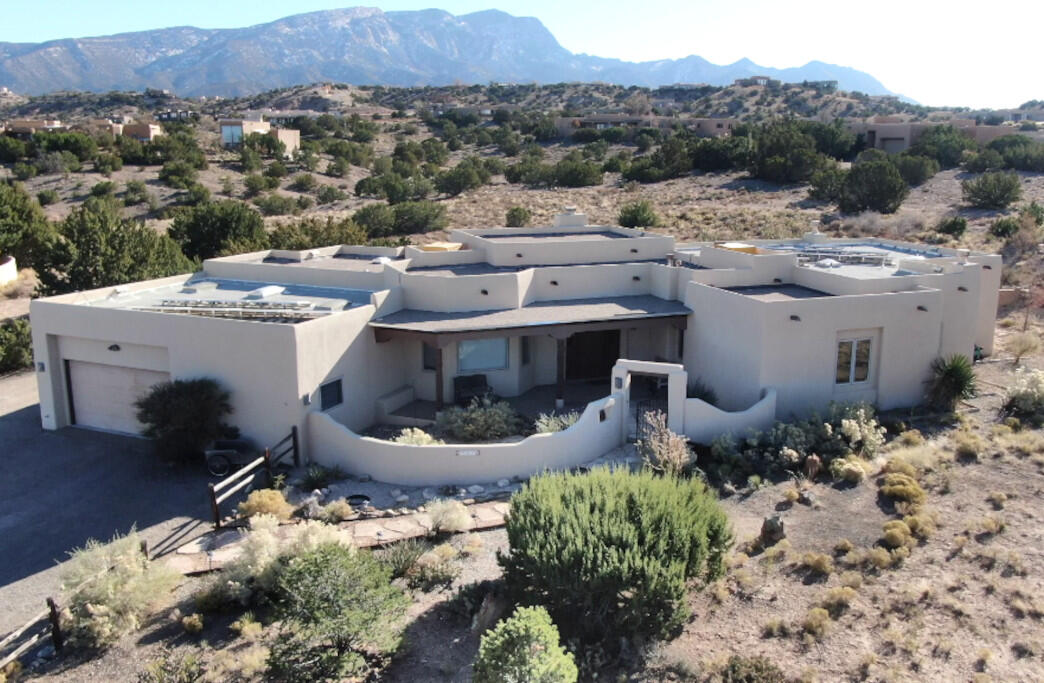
59	489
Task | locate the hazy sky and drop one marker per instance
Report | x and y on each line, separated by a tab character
939	53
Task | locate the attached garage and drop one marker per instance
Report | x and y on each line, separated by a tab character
102	396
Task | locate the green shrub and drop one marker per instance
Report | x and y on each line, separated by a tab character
103	189
995	190
110	588
435	568
182	416
783	153
518	217
1025	397
697	388
873	186
609	553
573	173
1005	227
952	225
986	160
266	502
378	220
277	205
915	170
401	557
1034	211
303	182
414	217
254	185
902	487
16	345
178	174
319	477
135	192
216	228
945	144
484	419
47	197
555	422
638	214
827	183
953	379
846	430
327	194
524	649
107	163
192	623
757	669
340	615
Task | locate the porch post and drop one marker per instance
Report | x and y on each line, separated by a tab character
560	343
438	377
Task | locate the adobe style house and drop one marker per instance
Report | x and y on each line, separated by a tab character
142	132
338	339
892	134
234	130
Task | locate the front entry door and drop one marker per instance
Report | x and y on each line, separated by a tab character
592	355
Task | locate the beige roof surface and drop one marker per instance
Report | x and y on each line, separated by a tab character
536	314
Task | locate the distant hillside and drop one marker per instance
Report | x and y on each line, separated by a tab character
358	46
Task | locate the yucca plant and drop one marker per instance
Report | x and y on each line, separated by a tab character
953	379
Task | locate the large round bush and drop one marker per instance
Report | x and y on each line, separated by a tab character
609	553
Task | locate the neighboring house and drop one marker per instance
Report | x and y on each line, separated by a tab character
142	132
176	115
711	128
234	130
566	126
893	135
338	339
756	80
24	128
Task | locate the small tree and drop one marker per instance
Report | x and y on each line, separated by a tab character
210	229
953	379
340	614
995	190
1023	344
24	231
518	217
827	183
873	186
524	649
182	416
16	345
952	225
609	553
638	214
661	449
178	174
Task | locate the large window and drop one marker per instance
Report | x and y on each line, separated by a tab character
526	353
853	361
475	355
330	395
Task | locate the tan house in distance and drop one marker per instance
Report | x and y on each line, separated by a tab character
893	135
234	130
142	132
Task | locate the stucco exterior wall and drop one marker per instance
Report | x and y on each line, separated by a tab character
8	269
334	445
704	423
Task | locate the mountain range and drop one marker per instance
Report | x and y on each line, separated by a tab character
359	45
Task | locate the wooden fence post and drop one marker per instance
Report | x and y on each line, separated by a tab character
214	509
268	466
56	625
297	446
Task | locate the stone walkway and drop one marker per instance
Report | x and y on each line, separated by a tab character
213	550
388	519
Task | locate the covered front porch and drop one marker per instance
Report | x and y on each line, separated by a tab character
542	357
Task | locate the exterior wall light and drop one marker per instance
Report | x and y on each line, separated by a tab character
776	281
554	283
796	318
306	399
518	255
114	347
634	251
41	367
636	278
962	288
922	308
485	292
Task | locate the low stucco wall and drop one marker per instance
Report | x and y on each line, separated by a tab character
8	270
704	422
334	445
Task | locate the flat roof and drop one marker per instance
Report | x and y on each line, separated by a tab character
561	236
483	268
778	292
239	299
362	263
537	314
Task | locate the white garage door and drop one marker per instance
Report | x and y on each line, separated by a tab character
103	396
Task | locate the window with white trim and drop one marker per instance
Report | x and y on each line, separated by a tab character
476	355
853	361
